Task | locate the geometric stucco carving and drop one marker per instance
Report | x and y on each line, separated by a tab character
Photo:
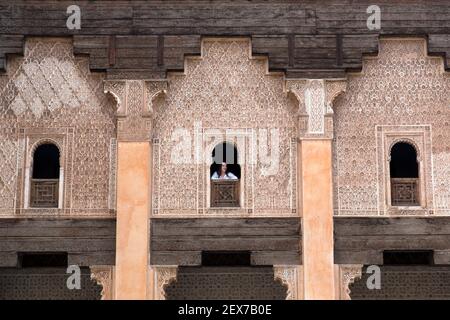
400	94
104	276
134	107
225	94
348	273
50	95
164	275
315	100
289	277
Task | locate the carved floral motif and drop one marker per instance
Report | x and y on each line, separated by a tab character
225	95
348	274
399	90
103	275
51	94
289	278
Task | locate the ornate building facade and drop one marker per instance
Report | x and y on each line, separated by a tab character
109	140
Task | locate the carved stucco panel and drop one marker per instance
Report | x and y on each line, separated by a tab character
347	275
231	94
401	87
42	92
134	107
289	276
104	276
164	275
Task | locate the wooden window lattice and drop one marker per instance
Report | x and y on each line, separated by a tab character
404	191
44	193
225	193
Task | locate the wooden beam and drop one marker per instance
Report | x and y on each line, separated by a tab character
112	51
272	241
87	241
363	240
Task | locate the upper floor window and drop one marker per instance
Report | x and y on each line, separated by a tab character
45	176
404	174
225	175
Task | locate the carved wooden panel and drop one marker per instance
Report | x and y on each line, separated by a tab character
406	283
225	193
45	284
44	193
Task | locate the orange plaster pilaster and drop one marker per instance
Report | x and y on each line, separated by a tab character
317	219
133	207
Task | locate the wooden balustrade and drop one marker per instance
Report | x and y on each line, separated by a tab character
44	193
225	193
405	191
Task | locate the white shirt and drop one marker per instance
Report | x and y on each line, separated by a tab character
229	175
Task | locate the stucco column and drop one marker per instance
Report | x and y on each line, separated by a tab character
134	133
317	219
315	191
133	207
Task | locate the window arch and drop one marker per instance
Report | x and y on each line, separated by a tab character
45	176
225	188
228	153
403	162
404	174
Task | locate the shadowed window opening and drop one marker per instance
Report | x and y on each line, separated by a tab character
225	152
45	177
226	258
408	257
404	161
42	259
225	174
46	162
404	174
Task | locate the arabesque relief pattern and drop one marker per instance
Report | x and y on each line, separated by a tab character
225	95
407	93
50	94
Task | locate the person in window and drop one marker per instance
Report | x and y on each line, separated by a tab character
222	173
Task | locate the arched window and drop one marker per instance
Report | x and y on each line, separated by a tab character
404	174
225	173
45	176
225	153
